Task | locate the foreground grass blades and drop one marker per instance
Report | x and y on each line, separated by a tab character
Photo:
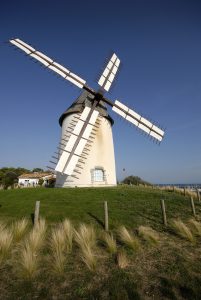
182	230
129	239
108	268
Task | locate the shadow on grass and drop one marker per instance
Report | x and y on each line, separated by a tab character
97	220
32	218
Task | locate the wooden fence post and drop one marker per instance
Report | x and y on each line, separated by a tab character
163	212
106	216
198	195
36	214
184	191
193	206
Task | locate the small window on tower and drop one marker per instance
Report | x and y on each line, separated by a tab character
98	175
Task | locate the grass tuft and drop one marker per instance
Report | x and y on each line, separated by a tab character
37	236
28	261
19	229
148	234
128	239
89	258
6	239
69	232
29	252
110	243
182	230
85	237
58	246
2	226
122	260
196	227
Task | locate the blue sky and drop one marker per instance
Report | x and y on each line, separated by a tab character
159	44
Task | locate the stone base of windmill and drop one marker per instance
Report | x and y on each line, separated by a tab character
98	169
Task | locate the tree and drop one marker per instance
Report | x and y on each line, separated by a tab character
37	170
41	181
51	182
135	180
9	179
9	176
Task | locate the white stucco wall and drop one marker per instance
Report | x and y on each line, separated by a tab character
32	181
101	155
28	181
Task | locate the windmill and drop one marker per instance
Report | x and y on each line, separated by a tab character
85	155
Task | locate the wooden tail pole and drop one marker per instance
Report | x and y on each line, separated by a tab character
198	195
106	216
36	214
193	206
163	212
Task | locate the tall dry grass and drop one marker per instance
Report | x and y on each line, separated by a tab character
122	260
128	238
37	236
19	228
110	243
2	226
85	237
28	261
88	256
57	245
182	230
69	233
196	226
149	235
6	239
29	252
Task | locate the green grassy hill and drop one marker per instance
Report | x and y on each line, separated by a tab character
130	206
168	268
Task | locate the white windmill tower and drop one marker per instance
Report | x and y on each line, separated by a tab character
86	153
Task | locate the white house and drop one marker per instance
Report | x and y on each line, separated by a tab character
32	179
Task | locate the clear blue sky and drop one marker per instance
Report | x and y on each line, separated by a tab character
159	44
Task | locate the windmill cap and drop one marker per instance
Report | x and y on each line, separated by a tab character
85	99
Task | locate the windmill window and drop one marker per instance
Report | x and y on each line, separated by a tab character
98	175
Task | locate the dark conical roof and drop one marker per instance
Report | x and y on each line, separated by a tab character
85	99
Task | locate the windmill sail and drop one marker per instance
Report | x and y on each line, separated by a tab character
77	141
137	120
109	73
49	63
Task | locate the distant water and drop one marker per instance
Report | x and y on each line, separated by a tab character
183	185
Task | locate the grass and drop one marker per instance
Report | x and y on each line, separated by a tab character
128	238
29	252
122	260
6	239
28	261
57	245
129	206
182	230
110	243
37	236
19	229
196	227
69	233
149	235
85	237
32	267
88	256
